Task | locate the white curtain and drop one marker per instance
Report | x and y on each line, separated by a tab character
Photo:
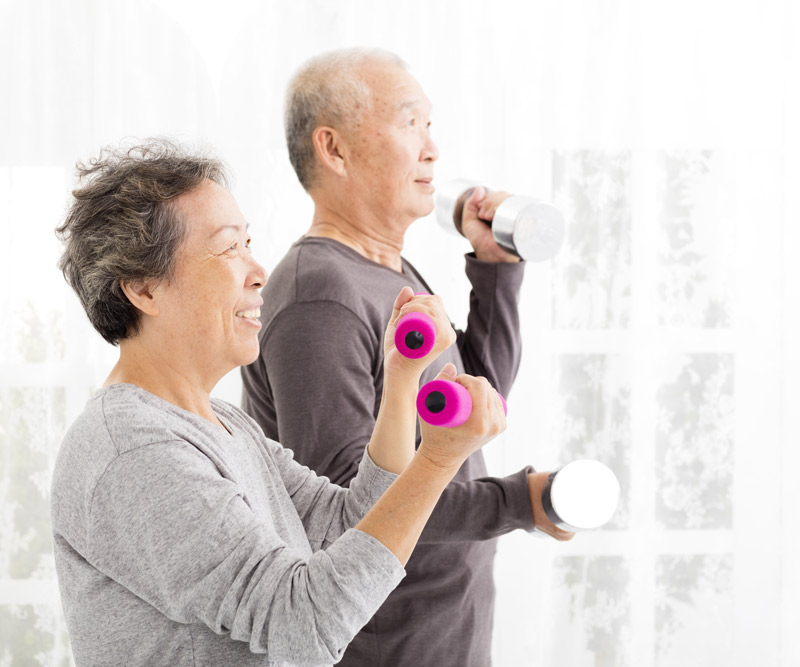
663	340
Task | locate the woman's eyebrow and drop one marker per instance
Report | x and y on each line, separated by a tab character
221	228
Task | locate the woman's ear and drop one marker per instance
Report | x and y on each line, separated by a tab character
329	147
141	294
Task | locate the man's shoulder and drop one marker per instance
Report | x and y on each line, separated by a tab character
316	266
322	273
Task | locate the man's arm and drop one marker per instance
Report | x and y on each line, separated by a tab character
491	345
322	363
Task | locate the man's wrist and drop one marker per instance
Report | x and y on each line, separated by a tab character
497	258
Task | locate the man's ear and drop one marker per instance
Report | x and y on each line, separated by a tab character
329	147
141	293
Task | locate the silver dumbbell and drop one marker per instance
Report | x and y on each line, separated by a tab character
529	228
581	495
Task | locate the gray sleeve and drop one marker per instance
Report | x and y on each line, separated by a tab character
321	359
168	527
328	510
491	346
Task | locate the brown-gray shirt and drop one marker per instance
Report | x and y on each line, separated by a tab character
316	388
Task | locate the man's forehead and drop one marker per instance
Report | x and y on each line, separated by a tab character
396	86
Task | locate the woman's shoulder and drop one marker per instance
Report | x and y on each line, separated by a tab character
242	424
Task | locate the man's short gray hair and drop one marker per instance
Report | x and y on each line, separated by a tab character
327	90
122	225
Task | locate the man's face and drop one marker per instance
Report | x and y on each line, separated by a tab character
391	151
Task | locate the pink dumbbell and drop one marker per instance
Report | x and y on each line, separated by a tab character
445	403
415	334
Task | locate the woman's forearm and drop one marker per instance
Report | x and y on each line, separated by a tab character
399	516
392	443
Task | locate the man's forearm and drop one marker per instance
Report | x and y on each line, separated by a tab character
481	509
491	344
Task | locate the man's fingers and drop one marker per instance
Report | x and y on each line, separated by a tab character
489	205
475	199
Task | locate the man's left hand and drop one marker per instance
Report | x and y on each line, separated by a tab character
479	208
541	522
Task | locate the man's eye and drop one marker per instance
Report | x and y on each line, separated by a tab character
412	122
247	243
234	245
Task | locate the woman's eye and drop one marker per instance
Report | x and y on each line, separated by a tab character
234	245
412	122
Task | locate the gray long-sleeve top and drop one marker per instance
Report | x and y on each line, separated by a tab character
316	387
179	543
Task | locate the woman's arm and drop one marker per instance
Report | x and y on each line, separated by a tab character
392	444
397	519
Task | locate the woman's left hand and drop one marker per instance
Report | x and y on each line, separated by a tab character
432	306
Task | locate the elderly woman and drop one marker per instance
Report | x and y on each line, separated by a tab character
182	534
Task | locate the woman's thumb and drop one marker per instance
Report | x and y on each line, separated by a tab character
449	372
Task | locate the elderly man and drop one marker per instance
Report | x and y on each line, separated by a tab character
358	132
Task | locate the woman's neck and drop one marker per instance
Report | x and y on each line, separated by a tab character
162	377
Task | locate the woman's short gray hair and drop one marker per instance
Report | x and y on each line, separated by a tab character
327	90
122	226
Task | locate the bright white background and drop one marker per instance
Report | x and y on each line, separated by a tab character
662	340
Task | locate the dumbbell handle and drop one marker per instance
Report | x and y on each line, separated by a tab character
415	335
445	403
528	228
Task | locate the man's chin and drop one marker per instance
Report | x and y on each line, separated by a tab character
427	207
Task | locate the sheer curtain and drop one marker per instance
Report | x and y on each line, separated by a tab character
658	341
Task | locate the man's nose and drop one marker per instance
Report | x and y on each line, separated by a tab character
430	152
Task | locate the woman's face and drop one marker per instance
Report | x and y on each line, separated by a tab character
210	308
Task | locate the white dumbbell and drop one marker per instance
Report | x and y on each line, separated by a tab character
581	495
529	228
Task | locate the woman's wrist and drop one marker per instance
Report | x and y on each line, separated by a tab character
402	373
437	464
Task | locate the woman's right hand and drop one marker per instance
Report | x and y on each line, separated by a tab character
448	448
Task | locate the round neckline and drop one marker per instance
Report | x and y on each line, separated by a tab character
352	251
128	386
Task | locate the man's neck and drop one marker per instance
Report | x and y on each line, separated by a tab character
379	242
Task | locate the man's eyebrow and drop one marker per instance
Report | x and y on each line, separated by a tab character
408	104
413	104
238	228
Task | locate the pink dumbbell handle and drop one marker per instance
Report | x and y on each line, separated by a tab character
415	334
446	404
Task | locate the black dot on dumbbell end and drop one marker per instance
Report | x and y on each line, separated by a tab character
414	340
435	402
